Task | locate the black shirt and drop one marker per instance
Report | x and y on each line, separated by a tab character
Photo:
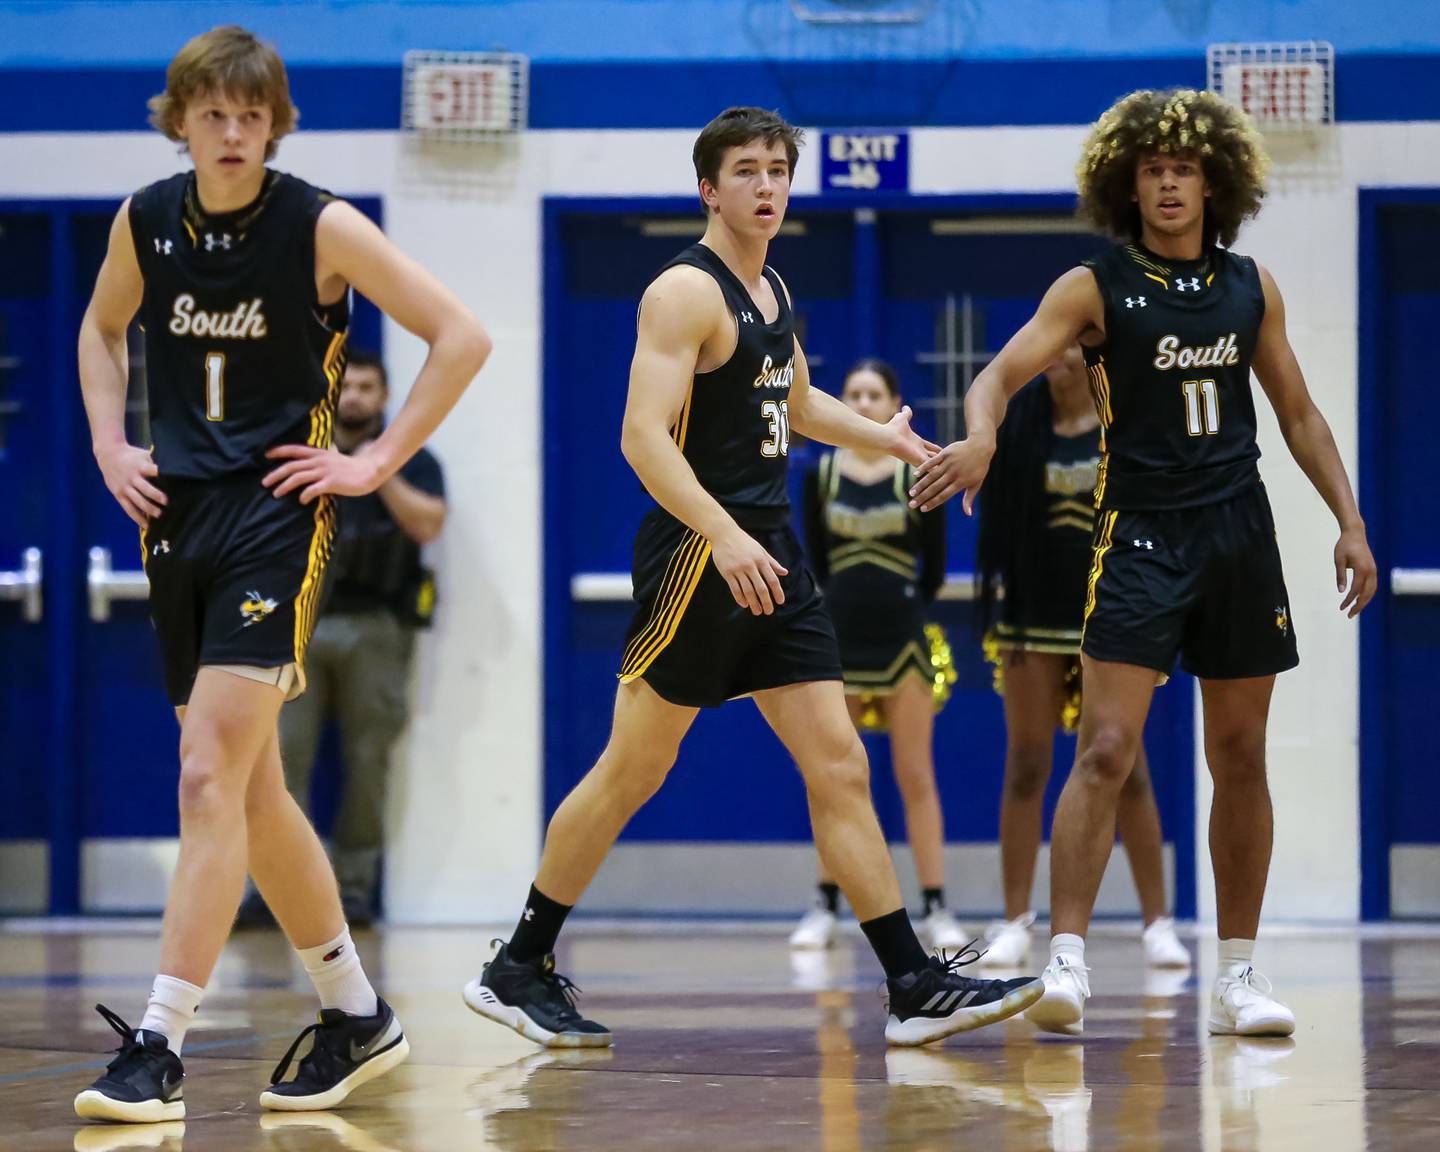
375	560
240	355
1172	379
734	428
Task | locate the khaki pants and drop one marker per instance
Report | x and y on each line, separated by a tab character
358	668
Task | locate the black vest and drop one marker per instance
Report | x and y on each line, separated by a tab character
1172	379
734	428
240	356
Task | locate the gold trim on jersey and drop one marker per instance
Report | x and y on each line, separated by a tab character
1158	280
1101	476
1085	523
1100	391
1144	261
1097	565
322	415
307	603
907	569
682	422
889	551
682	576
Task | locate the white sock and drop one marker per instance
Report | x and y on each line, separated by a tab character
172	1007
1235	954
338	976
1071	945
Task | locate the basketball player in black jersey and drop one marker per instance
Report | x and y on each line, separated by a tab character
1185	558
725	604
241	275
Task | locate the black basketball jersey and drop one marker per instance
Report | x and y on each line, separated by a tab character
240	355
734	428
1172	379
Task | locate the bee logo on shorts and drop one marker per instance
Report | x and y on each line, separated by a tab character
1282	619
256	607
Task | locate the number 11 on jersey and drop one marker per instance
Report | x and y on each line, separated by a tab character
215	386
1202	407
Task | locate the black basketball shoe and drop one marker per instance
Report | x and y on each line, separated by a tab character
937	1001
142	1085
347	1051
534	1000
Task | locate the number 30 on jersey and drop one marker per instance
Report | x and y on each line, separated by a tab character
778	413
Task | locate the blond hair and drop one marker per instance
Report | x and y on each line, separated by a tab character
229	61
1179	120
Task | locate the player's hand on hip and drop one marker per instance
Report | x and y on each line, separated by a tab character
1352	556
320	471
905	443
127	471
958	467
752	573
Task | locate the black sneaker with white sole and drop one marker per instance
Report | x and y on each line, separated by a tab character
937	1001
142	1085
347	1051
534	1000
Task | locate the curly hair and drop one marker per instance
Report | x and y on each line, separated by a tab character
229	61
1180	120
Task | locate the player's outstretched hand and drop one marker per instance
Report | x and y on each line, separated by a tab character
317	471
1352	556
127	471
958	467
752	573
906	444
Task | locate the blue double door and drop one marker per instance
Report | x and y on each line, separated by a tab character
930	286
89	740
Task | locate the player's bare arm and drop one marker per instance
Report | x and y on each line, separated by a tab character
104	375
350	249
1308	436
683	320
1071	310
819	416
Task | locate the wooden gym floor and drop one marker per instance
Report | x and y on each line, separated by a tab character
724	1042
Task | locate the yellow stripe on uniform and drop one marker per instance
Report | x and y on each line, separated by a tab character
682	425
322	416
1158	280
674	569
693	556
1097	565
308	601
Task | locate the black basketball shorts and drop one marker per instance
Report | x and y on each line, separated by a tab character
1202	583
694	645
235	577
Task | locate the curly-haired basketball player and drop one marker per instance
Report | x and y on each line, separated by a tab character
1185	559
242	275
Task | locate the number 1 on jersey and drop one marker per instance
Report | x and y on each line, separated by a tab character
778	412
1201	394
215	386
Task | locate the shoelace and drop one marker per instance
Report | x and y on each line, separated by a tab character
132	1045
1252	980
320	1056
1082	972
561	989
951	964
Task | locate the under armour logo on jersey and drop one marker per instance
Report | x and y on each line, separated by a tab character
529	914
748	317
212	241
163	546
1148	545
1190	285
163	246
1134	301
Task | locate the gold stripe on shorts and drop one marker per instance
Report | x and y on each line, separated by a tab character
1097	565
682	576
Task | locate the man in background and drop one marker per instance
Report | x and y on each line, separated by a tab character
359	660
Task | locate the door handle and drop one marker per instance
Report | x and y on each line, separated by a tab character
1415	581
25	585
105	584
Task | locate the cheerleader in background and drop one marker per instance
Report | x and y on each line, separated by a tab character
880	564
